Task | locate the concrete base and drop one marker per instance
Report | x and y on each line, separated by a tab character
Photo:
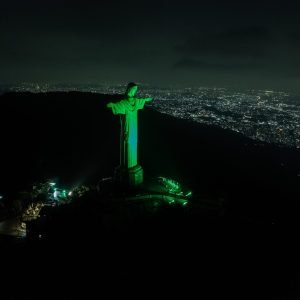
136	176
131	177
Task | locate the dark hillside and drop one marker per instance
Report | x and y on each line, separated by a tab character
74	138
98	247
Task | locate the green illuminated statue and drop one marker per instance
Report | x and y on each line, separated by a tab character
129	171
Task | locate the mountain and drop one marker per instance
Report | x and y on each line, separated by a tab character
248	251
73	137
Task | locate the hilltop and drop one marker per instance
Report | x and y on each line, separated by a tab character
73	138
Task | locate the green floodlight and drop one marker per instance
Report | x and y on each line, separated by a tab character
177	201
189	194
64	194
172	186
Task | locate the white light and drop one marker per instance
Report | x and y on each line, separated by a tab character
55	195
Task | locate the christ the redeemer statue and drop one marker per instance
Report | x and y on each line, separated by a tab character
129	172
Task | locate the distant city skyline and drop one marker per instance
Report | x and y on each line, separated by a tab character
36	86
43	86
233	44
263	115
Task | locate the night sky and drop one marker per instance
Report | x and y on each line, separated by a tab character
251	43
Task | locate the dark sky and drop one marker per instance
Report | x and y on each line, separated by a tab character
251	43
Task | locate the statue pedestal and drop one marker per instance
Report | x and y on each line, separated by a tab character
135	175
131	177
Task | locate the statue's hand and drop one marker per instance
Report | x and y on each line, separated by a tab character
109	105
148	99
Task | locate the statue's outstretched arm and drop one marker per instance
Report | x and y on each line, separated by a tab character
148	99
117	108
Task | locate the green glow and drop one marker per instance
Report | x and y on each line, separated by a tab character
173	201
127	109
172	185
169	199
189	194
59	194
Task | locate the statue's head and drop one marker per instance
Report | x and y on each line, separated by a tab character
131	89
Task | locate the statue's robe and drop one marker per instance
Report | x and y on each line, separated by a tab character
129	129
